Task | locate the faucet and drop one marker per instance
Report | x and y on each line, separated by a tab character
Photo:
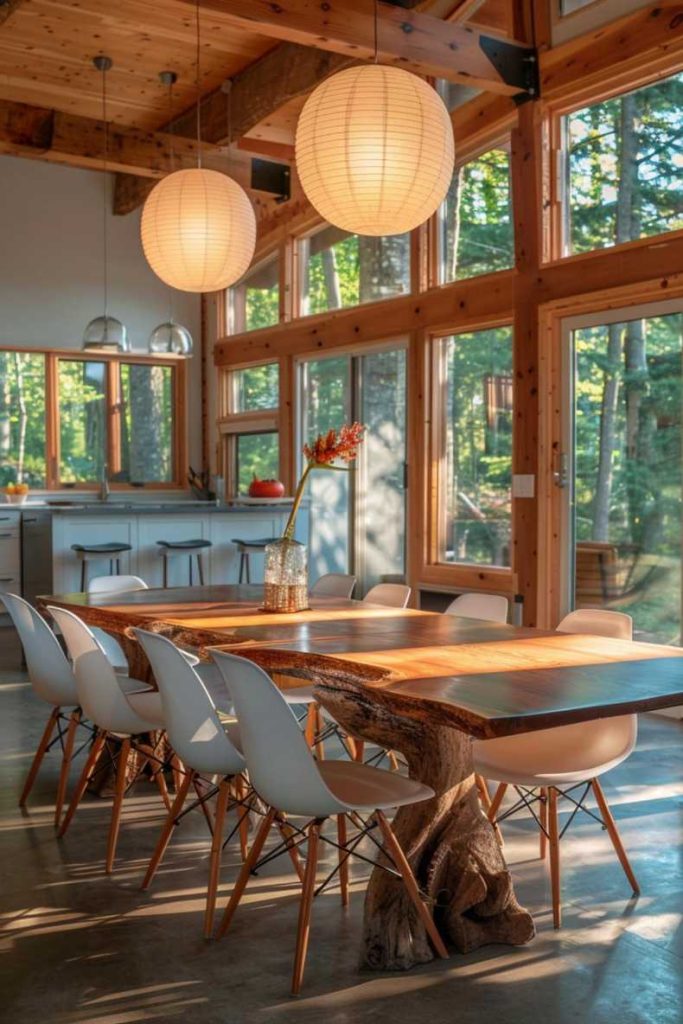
104	483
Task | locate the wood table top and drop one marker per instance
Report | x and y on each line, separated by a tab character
486	678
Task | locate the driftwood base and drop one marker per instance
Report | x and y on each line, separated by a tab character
450	844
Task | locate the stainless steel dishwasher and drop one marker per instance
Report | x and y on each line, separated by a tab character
36	553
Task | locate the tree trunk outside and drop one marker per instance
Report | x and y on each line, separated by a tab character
146	411
5	404
23	416
332	286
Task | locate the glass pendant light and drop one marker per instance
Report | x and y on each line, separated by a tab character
198	226
170	338
105	333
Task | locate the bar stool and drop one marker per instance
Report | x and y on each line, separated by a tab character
250	547
100	552
190	548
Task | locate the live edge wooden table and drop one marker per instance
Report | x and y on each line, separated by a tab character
426	685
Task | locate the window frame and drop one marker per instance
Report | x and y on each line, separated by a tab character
557	171
434	569
503	141
112	399
233	423
233	319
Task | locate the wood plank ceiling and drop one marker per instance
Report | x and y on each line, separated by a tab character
47	46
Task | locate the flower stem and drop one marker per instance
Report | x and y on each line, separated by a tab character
291	522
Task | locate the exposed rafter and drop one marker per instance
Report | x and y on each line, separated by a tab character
45	134
409	38
285	73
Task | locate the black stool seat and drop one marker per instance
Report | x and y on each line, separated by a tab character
247	547
260	542
102	549
184	545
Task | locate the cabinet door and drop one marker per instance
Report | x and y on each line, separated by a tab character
171	527
99	528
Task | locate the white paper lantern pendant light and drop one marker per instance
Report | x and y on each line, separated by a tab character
105	333
198	226
374	149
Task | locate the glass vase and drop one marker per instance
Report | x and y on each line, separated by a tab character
286	577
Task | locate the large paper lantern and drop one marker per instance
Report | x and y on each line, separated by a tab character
374	150
198	230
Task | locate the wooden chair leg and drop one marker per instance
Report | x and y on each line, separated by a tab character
554	842
167	830
119	793
287	832
215	860
319	726
484	795
311	720
343	860
360	750
68	754
243	816
243	877
305	906
497	801
401	862
39	755
86	774
543	816
611	826
157	772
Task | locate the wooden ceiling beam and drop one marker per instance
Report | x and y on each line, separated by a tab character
283	74
408	38
44	134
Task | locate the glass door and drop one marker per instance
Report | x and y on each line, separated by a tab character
358	519
624	509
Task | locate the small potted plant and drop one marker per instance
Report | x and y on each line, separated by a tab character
286	569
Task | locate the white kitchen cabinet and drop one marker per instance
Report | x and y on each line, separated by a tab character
10	552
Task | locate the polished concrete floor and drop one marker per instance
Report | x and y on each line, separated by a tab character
77	946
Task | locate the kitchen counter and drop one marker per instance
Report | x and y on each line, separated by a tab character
147	507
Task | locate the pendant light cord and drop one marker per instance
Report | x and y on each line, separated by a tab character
199	93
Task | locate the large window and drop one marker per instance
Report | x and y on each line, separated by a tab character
65	421
624	167
22	419
339	270
255	387
255	301
256	455
476	447
475	222
249	425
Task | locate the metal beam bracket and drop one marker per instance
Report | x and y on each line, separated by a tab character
267	176
516	65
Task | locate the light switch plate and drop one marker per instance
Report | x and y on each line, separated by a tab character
523	485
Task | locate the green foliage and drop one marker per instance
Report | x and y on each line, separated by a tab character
257	455
478	446
476	226
257	387
22	412
635	142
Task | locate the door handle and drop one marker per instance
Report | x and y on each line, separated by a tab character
561	473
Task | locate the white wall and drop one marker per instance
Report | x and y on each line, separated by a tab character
51	269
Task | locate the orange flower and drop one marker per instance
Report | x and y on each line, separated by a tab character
329	447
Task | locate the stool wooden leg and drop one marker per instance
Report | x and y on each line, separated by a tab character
83	575
241	567
190	577
248	568
165	572
200	570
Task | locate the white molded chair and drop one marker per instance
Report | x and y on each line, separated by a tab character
334	584
206	746
111	585
118	716
545	765
52	680
491	607
286	776
394	595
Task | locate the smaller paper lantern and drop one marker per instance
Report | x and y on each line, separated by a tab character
198	230
374	150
